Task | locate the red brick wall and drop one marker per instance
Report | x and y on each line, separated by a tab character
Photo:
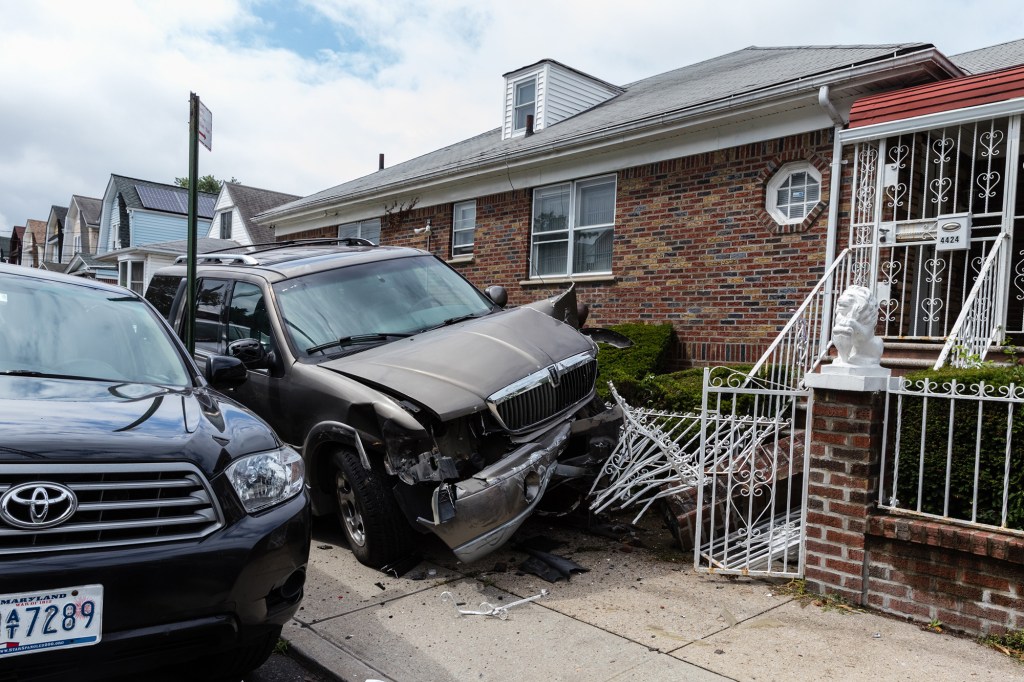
693	246
970	579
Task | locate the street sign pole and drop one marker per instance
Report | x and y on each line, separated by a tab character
193	201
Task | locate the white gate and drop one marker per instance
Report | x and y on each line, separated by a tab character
752	490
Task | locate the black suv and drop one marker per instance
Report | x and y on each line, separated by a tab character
144	518
416	400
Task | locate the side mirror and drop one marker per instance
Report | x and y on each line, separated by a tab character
223	371
250	351
497	294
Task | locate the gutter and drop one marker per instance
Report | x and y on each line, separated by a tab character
835	187
628	131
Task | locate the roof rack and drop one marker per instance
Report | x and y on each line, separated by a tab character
222	259
223	256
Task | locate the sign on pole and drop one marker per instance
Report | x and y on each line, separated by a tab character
205	127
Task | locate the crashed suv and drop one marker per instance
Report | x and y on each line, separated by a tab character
417	401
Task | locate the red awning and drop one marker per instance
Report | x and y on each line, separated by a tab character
958	93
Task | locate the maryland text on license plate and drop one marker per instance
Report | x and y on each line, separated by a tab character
67	617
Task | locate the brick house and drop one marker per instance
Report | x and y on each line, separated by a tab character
703	196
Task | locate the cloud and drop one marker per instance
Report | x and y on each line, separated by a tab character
93	89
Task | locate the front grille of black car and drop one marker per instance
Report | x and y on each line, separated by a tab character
545	394
118	505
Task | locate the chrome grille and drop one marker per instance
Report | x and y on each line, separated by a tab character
546	394
118	505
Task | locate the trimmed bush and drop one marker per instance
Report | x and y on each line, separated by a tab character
962	458
628	367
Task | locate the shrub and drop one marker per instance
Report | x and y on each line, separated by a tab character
628	367
963	448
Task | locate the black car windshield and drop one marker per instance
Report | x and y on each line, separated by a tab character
57	329
358	306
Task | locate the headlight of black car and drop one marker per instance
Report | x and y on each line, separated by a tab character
267	478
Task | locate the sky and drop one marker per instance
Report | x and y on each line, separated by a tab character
306	94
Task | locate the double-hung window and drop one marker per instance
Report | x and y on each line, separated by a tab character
364	229
524	103
463	228
573	228
225	225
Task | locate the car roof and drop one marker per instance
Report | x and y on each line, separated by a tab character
50	276
282	260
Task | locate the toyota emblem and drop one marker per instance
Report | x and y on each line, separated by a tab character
38	505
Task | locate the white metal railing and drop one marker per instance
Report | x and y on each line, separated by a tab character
977	328
953	454
804	341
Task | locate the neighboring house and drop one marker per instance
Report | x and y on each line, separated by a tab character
35	242
233	213
703	197
54	238
89	265
5	248
16	244
136	213
81	227
148	258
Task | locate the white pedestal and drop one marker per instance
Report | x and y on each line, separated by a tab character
847	378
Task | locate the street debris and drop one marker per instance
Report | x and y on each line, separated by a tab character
487	609
550	567
398	568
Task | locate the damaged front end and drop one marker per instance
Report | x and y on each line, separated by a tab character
473	480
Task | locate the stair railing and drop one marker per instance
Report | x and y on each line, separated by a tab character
976	329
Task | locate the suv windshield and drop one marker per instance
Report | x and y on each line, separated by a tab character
351	308
53	329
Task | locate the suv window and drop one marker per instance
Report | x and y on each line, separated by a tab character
401	296
161	292
247	315
210	299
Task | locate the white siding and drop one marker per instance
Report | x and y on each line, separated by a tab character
561	93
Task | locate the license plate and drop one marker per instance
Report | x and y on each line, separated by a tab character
56	619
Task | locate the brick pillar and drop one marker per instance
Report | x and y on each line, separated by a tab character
846	445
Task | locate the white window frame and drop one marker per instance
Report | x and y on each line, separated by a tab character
573	229
364	229
463	221
230	224
517	105
782	177
131	272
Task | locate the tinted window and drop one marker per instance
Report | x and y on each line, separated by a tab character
210	300
161	292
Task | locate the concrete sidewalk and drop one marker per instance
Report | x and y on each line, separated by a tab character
638	614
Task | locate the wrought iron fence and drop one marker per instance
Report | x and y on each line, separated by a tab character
955	452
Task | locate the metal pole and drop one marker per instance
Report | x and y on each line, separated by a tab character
193	200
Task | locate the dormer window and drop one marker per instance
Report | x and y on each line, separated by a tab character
525	102
550	92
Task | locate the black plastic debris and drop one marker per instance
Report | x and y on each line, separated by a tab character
550	567
397	569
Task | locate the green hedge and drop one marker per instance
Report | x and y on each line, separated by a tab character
991	457
628	367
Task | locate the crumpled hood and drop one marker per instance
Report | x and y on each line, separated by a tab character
452	370
71	420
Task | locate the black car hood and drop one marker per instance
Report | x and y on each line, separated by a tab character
451	370
74	420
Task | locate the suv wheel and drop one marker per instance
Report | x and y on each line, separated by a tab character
374	526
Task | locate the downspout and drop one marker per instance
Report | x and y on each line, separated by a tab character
832	234
830	255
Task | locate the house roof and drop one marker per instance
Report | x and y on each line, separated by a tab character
37	228
89	209
745	77
60	213
959	93
991	58
54	267
251	201
158	196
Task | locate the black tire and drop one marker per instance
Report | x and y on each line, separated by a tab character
377	531
234	663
